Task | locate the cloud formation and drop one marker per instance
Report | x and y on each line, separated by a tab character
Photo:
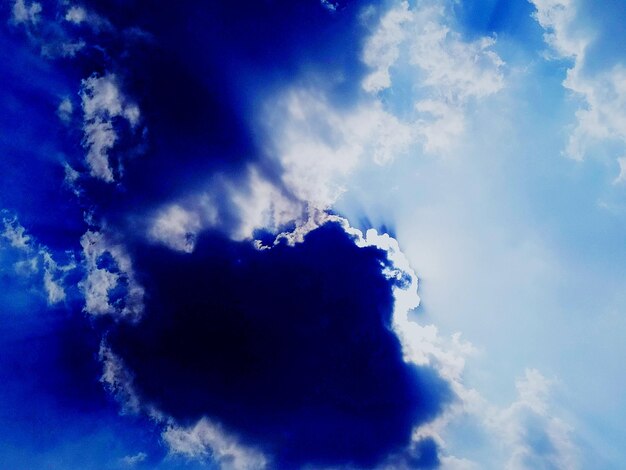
33	260
236	311
102	102
450	71
537	438
602	116
109	285
291	348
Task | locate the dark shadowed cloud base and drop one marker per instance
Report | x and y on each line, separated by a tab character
290	348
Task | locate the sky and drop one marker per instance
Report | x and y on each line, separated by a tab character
336	234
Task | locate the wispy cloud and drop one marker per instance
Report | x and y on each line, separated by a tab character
602	116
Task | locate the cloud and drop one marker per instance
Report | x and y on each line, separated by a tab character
289	349
26	13
65	110
176	227
76	14
16	234
315	146
382	48
300	347
622	170
118	380
102	102
536	437
109	285
30	256
262	206
449	72
204	438
318	145
132	460
602	116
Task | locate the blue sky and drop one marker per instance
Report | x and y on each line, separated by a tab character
217	220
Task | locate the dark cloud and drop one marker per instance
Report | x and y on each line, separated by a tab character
290	348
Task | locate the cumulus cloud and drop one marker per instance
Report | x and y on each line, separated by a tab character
602	116
109	285
103	102
450	72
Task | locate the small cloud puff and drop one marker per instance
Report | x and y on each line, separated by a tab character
76	15
65	110
132	460
109	285
26	13
103	102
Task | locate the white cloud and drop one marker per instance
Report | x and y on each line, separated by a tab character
318	145
16	234
26	13
251	200
382	48
202	440
32	256
131	460
536	438
102	102
119	380
80	16
52	281
556	17
176	228
441	124
454	69
603	114
76	15
329	5
65	110
455	463
449	72
207	439
99	280
622	171
262	205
